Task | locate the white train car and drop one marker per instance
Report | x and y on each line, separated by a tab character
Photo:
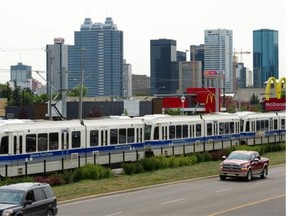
221	129
51	142
258	128
29	147
171	133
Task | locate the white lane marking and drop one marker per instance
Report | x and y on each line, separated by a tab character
116	213
171	201
223	190
263	182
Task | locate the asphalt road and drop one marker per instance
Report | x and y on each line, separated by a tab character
208	196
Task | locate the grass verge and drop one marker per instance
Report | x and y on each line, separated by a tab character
125	182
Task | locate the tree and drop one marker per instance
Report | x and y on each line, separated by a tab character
75	92
254	100
5	91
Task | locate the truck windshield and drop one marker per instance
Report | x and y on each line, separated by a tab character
239	156
11	196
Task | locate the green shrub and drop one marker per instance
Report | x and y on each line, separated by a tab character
132	168
150	164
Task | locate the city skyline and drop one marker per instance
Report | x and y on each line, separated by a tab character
28	26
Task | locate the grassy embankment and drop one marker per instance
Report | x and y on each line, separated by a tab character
125	182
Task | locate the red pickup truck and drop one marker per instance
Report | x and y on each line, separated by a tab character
245	164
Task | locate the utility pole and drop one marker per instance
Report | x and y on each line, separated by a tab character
81	86
50	86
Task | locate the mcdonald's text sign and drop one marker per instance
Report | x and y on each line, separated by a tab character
274	104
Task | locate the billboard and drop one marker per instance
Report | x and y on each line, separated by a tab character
277	103
274	104
277	86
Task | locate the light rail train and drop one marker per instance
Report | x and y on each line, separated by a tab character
30	147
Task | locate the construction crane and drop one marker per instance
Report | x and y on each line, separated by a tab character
241	52
235	87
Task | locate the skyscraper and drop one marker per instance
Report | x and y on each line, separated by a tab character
218	54
265	56
21	74
57	74
97	54
163	66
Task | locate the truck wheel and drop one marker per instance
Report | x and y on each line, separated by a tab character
249	175
264	173
222	177
50	213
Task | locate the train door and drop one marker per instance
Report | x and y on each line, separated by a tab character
103	136
64	140
164	132
18	143
139	135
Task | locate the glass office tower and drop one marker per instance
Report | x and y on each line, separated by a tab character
265	56
163	63
98	54
218	53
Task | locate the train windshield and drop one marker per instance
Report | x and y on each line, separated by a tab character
4	147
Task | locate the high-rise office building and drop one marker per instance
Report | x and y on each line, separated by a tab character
197	54
190	75
163	66
22	75
218	54
97	58
57	74
127	80
265	56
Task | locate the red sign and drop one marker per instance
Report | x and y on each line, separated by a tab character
210	72
274	104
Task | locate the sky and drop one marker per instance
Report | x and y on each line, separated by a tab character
27	26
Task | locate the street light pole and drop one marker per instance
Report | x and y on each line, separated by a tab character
182	101
157	90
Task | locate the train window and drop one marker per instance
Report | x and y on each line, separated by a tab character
185	131
178	131
258	125
42	142
76	139
53	141
172	132
275	124
156	133
30	142
94	138
232	129
198	130
147	132
113	136
122	135
266	125
65	140
227	128
247	126
221	128
4	145
241	125
209	129
283	125
130	135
